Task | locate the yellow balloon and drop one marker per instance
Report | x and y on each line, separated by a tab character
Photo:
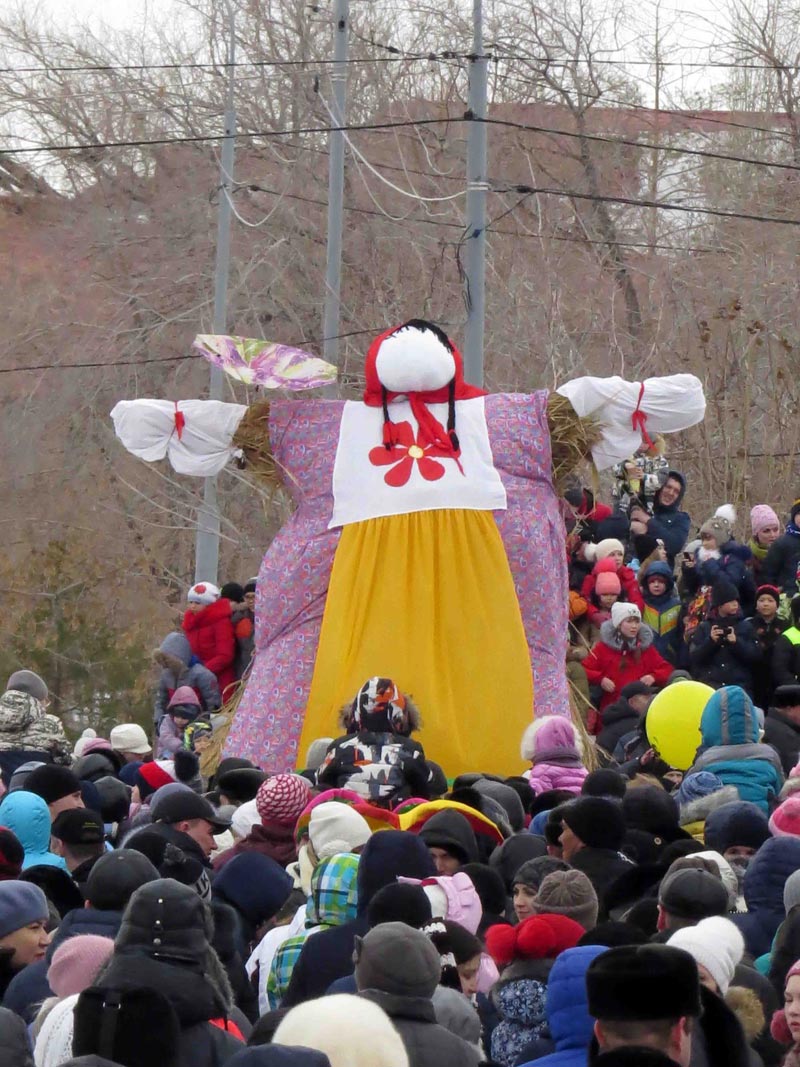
673	722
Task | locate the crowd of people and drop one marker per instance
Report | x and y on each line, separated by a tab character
601	907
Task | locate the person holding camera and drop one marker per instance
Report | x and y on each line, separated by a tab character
723	650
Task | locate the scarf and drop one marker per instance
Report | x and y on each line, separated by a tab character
759	552
792	530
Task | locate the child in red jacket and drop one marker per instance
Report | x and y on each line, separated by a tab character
625	653
610	549
209	631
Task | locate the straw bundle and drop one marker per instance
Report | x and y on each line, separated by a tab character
252	436
209	761
572	438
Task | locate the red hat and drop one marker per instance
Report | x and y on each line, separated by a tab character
153	776
785	819
282	799
542	937
607	583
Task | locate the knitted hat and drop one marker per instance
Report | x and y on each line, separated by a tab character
621	612
607	583
603	550
533	872
762	516
785	819
52	782
769	590
150	777
568	893
791	892
489	887
738	823
28	682
335	827
116	876
397	959
21	903
203	593
232	591
643	982
12	854
129	737
692	893
542	937
716	944
597	822
604	783
719	528
77	962
695	786
723	592
401	903
281	799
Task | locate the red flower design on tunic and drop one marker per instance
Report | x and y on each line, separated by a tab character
407	451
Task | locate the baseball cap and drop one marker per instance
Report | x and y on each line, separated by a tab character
129	737
184	804
79	826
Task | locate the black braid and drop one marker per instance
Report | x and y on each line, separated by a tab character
385	403
451	415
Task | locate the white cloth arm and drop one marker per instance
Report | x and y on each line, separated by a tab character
626	409
195	435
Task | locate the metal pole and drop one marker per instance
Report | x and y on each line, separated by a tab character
333	267
206	564
477	185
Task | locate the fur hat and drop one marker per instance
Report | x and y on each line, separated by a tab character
336	827
597	822
785	819
604	783
76	963
542	937
281	799
204	593
241	784
568	893
622	611
762	516
594	553
640	982
652	809
716	944
348	1029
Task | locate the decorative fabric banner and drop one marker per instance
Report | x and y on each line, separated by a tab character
195	435
264	363
631	413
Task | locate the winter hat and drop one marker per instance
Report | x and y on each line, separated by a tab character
568	893
452	897
28	682
232	591
642	982
659	569
555	737
150	777
401	903
762	516
12	854
785	819
719	527
245	818
489	887
129	737
76	963
541	937
607	580
116	876
723	592
738	823
621	612
594	553
115	798
281	799
167	920
203	593
88	735
716	944
20	775
604	783
21	903
695	786
692	893
348	1029
652	809
510	856
241	784
597	822
533	872
464	945
52	782
255	885
187	700
250	585
791	892
397	959
335	827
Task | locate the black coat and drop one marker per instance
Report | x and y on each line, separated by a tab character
766	634
780	566
602	866
619	719
722	663
784	737
785	662
427	1043
324	957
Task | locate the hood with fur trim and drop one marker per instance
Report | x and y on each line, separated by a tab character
699	810
530	746
610	636
747	1008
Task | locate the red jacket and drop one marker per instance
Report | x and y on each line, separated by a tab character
631	592
608	660
210	635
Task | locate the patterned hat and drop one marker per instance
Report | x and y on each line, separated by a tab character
203	593
282	799
380	706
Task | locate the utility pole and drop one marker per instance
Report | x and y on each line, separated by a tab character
206	562
477	185
333	266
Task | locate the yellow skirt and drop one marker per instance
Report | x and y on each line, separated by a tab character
428	600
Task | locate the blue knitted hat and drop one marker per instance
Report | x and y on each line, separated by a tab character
21	903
